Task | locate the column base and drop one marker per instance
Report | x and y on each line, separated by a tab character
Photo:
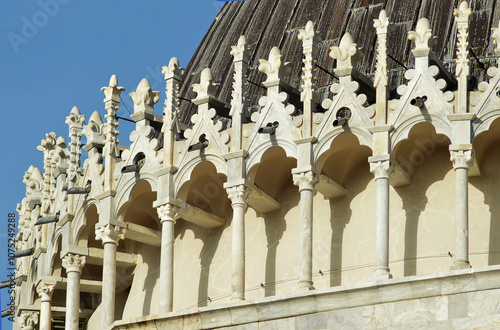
380	274
460	264
305	286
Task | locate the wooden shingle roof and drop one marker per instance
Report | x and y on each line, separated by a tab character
269	23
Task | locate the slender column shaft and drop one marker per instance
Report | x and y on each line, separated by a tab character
382	225
306	182
45	292
238	195
73	265
108	285
168	213
45	315
72	301
306	237
238	253
462	217
110	235
382	171
167	267
462	161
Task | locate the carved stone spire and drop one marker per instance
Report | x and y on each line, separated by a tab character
380	82
205	88
48	147
239	102
144	97
462	69
111	102
496	41
94	131
309	45
346	54
173	76
75	122
422	36
275	70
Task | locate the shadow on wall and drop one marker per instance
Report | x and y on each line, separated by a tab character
211	240
275	226
340	215
414	197
489	183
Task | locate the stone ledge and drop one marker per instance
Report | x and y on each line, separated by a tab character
325	300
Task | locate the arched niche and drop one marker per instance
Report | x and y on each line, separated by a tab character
343	157
274	171
421	143
205	189
139	208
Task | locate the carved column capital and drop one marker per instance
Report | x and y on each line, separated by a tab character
28	320
109	234
305	180
168	212
73	262
382	169
45	291
238	195
461	158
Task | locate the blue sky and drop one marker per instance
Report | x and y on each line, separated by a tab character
56	54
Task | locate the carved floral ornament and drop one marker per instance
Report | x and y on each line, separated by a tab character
238	195
45	291
73	263
113	91
173	70
305	180
28	319
168	212
496	39
75	118
109	234
274	67
422	36
144	97
239	52
206	87
381	169
346	53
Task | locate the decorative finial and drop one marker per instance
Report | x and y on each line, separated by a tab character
75	119
112	92
422	37
463	12
173	70
274	68
462	17
346	53
144	97
239	51
308	34
496	39
206	87
382	22
94	132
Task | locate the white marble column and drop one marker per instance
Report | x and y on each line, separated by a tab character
73	263
110	235
28	320
462	161
238	195
305	181
168	214
382	171
45	292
